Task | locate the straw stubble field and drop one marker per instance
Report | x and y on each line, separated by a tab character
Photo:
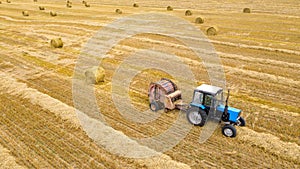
261	56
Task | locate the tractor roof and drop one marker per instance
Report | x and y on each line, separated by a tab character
209	89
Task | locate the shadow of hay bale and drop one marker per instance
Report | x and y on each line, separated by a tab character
52	13
69	4
25	13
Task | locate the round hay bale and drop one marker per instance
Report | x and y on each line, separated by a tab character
169	8
246	10
8	1
135	5
118	11
56	43
41	8
211	31
34	0
53	13
188	13
69	5
87	5
199	20
84	2
94	75
0	2
25	13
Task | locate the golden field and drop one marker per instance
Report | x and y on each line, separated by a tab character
260	52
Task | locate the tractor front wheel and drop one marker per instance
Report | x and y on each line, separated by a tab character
241	122
196	116
229	130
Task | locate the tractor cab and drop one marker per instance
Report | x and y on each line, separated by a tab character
206	96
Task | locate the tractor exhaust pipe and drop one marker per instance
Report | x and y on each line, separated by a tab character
226	105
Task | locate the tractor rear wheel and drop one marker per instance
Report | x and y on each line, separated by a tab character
241	122
196	116
229	130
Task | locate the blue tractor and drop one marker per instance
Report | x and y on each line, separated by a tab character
207	97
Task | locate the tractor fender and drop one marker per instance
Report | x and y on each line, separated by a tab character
198	105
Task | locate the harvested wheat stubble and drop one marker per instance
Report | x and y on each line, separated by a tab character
199	20
188	13
271	143
246	10
56	43
41	8
113	139
212	31
118	11
25	13
94	75
53	13
135	5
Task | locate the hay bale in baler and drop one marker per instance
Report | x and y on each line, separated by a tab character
199	20
25	13
164	94
94	75
52	13
188	13
169	8
41	8
212	31
118	11
135	5
56	43
246	10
